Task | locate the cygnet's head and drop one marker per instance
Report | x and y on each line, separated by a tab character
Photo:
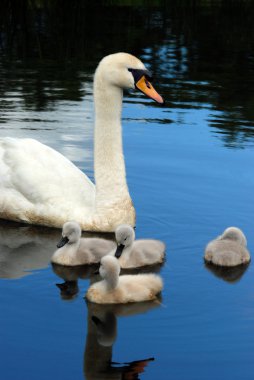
128	72
71	233
125	237
109	268
234	233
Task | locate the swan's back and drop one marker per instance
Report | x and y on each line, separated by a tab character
96	248
226	253
141	285
152	250
144	252
130	288
229	249
29	187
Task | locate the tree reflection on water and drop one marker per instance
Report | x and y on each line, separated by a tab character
201	52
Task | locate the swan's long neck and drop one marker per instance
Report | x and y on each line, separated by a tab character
112	280
108	152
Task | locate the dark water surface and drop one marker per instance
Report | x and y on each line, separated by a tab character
189	169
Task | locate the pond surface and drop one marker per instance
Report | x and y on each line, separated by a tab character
190	174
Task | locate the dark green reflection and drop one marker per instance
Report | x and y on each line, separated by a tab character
201	52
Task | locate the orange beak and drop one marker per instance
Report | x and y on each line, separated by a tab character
146	87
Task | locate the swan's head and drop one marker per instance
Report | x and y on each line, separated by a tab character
125	237
234	233
109	269
128	72
71	233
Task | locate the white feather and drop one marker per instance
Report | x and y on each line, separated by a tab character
38	185
123	289
229	249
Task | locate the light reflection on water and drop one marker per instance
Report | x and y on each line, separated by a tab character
189	169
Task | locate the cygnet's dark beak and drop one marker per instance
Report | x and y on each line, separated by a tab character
62	242
119	250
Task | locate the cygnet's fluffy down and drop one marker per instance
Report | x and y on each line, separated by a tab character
74	250
229	249
123	289
137	253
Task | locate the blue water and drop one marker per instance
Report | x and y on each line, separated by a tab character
189	170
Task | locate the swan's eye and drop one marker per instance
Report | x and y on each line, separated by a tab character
138	73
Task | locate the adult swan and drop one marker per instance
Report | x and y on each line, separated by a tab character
40	186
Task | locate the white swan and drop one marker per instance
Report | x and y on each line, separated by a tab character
75	250
123	289
40	186
229	249
137	253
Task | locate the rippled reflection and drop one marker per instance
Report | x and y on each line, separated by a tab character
176	41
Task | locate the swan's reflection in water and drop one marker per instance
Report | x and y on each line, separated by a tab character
230	274
25	248
101	335
69	288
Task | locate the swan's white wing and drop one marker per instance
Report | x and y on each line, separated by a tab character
37	182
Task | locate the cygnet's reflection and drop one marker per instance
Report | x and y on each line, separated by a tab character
69	288
101	335
24	248
229	274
